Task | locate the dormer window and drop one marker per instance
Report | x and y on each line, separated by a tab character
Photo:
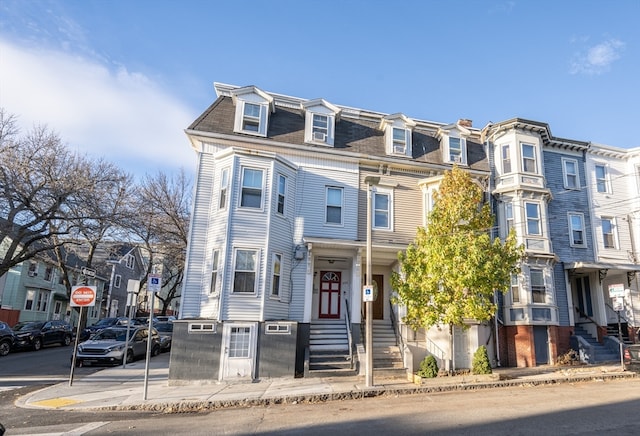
320	122
453	143
399	141
397	131
253	107
320	128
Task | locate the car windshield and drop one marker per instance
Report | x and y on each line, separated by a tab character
112	335
164	327
27	326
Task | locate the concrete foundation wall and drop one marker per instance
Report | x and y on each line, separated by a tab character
195	355
277	352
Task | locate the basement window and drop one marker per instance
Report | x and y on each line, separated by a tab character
272	329
202	327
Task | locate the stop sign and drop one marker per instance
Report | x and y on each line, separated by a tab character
83	296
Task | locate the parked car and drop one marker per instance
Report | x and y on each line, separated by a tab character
165	329
36	334
165	318
7	338
632	355
108	346
104	323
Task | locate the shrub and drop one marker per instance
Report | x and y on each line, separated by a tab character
428	367
481	364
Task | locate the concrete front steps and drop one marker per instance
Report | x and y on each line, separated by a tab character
601	353
329	354
387	358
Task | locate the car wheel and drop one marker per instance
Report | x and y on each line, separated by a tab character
66	341
37	344
155	350
78	363
5	347
129	356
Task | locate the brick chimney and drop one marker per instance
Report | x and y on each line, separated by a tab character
465	122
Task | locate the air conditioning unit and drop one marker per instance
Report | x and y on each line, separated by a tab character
457	159
32	273
320	136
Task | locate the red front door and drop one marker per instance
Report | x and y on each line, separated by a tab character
329	294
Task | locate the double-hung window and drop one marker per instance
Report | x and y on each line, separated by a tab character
276	266
506	159
251	195
48	273
608	232
37	300
508	215
224	188
538	289
320	128
131	261
529	158
532	211
214	271
571	179
455	149
245	269
382	210
399	141
117	280
282	192
576	227
515	289
601	178
334	205
251	117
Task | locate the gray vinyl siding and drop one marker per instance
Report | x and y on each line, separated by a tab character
562	300
407	208
195	263
281	241
565	201
311	202
248	229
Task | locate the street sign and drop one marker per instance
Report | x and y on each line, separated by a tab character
616	290
88	272
367	293
618	303
83	296
154	283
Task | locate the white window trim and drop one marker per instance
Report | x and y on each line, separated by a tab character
565	175
572	242
309	135
39	302
223	193
276	258
117	281
262	119
130	261
508	207
262	191
607	184
510	158
544	282
539	219
326	206
614	232
463	150
281	194
535	158
255	271
215	268
389	194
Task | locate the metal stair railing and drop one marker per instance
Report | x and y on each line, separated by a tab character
347	320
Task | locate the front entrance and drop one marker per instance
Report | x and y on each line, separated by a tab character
329	294
541	344
378	303
239	345
583	298
461	351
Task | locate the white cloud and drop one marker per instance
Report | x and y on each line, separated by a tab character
117	114
598	58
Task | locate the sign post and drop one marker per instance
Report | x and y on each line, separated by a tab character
616	292
82	297
154	284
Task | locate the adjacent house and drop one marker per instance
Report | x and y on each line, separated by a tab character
277	250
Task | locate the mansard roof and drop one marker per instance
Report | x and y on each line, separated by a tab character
357	131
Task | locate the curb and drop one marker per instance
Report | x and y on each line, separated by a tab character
205	406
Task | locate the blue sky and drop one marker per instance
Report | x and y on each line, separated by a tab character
123	79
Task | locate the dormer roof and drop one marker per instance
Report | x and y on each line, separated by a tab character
247	90
306	105
393	118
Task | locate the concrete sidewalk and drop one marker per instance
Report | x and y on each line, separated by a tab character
120	388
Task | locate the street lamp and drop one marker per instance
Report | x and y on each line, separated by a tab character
370	181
